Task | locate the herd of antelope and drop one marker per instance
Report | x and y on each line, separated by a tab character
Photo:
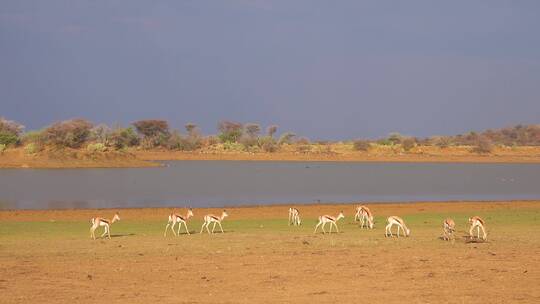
363	215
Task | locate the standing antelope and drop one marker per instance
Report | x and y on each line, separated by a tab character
365	216
449	227
324	219
294	217
98	221
210	218
395	220
177	218
478	223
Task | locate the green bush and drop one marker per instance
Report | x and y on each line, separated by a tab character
230	131
97	147
232	146
7	138
3	148
121	138
31	148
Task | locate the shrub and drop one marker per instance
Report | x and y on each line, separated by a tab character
443	142
286	138
232	146
252	130
395	138
97	147
230	131
32	148
10	127
384	142
152	127
3	148
121	138
8	138
483	145
408	143
361	145
177	142
9	131
70	133
303	149
268	144
101	134
303	141
271	130
191	128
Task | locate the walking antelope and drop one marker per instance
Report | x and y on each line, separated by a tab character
177	218
478	223
365	216
210	218
395	220
324	219
449	227
106	223
294	217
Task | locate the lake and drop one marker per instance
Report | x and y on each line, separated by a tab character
226	183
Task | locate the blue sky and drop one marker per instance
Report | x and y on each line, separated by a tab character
323	69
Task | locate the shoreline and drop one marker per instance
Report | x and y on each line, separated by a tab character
132	158
269	211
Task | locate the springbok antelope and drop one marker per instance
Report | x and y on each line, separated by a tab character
449	227
99	221
210	218
177	218
395	220
324	219
478	223
365	216
294	217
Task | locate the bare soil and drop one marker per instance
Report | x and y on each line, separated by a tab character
271	265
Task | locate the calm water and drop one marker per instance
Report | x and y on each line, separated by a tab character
222	183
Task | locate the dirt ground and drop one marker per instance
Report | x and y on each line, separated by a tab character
260	259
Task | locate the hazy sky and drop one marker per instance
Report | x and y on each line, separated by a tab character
324	69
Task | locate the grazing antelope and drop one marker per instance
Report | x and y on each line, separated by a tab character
395	220
449	227
324	219
365	216
478	223
98	221
294	217
210	218
177	218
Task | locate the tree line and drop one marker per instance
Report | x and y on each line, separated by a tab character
155	133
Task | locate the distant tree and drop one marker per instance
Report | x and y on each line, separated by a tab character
395	138
121	138
152	127
9	131
154	132
230	131
268	144
192	129
252	130
483	146
361	145
408	143
69	133
286	138
271	130
303	141
101	134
